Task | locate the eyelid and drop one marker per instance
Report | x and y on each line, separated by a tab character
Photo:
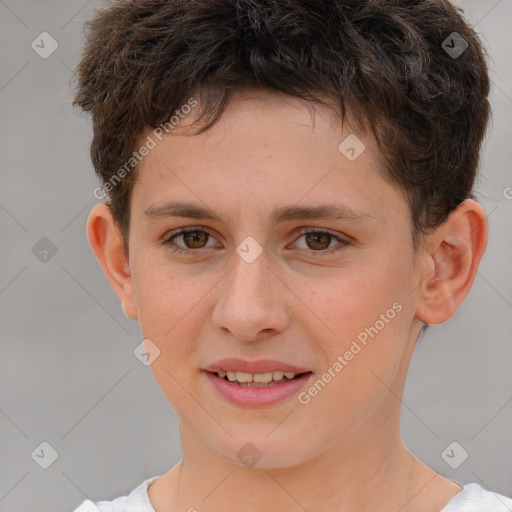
343	240
313	229
181	231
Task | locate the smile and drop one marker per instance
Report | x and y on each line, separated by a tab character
257	379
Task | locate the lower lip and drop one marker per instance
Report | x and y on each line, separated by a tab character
257	396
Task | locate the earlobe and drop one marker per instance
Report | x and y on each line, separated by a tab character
454	254
107	244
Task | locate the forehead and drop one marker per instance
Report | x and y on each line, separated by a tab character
267	150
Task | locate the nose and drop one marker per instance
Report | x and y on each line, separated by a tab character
251	301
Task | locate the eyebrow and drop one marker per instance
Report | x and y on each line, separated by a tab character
279	215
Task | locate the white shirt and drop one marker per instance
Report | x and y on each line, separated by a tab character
471	498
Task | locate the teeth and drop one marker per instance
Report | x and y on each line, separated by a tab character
244	377
262	377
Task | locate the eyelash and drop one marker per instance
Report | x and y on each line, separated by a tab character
179	250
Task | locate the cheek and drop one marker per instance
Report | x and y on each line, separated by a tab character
353	299
367	338
163	295
168	302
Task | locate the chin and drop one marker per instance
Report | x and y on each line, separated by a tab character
260	452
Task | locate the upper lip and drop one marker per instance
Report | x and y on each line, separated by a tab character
260	366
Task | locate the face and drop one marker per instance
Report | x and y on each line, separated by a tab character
270	276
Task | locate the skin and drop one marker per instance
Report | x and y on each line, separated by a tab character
299	302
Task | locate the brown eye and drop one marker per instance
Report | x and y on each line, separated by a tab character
191	241
318	241
195	239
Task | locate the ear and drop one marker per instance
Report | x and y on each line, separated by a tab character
450	263
107	243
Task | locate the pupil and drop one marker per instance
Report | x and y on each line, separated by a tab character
195	235
314	237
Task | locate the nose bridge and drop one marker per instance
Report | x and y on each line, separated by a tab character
249	281
247	304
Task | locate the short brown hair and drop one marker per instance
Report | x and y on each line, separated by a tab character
387	64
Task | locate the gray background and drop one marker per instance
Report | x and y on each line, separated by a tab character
68	373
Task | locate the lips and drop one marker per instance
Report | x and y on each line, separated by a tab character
256	389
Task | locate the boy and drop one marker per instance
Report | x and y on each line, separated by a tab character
232	138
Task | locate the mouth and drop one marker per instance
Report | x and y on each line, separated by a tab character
258	383
258	380
257	389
